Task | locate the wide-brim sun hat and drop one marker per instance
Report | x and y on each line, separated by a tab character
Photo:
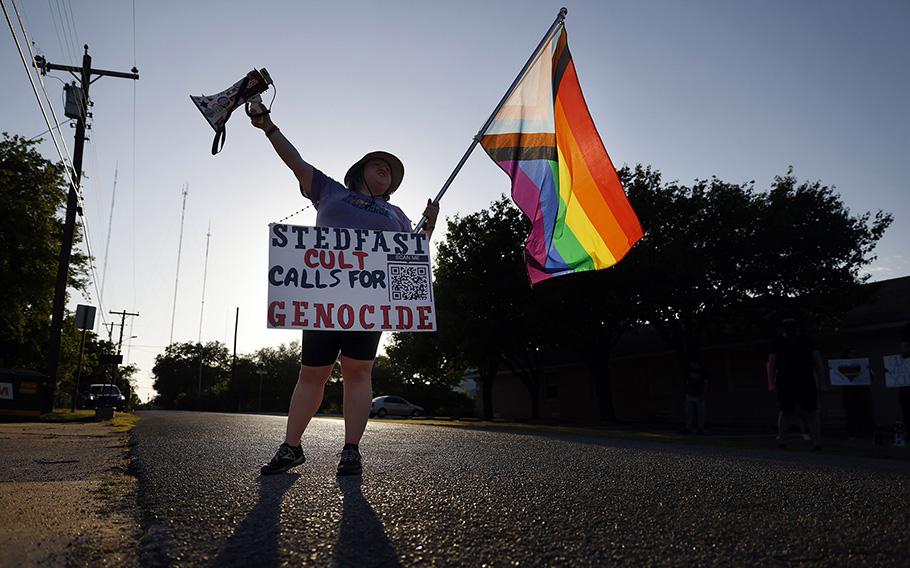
395	166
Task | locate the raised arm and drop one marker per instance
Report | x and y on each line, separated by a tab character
283	147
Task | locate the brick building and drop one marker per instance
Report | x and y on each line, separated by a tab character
647	383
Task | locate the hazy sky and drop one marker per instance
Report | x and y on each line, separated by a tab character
736	89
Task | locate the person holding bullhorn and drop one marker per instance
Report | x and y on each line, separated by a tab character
362	202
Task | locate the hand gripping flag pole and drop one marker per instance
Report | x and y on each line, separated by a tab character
560	19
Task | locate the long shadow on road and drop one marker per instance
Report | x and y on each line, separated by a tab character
255	542
361	537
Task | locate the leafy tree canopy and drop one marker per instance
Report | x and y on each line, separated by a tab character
32	193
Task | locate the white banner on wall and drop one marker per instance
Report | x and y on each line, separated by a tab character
849	372
326	278
897	371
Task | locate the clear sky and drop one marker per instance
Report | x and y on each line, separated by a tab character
736	89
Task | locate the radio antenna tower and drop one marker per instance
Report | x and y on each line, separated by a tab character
186	189
205	270
107	245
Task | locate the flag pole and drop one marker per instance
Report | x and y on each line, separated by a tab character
560	18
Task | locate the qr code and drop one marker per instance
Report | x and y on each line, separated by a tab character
408	282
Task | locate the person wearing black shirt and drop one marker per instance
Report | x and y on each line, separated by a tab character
794	362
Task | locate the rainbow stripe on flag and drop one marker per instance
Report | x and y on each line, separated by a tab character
562	177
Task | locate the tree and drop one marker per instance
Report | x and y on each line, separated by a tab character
32	192
483	298
814	250
280	366
718	257
93	371
177	375
696	257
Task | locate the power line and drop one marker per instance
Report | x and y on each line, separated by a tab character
133	172
63	48
65	24
72	205
134	33
40	134
70	46
69	5
37	96
68	167
50	106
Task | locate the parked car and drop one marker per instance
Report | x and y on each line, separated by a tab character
104	396
394	405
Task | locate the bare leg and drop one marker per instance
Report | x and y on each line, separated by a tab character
358	396
305	401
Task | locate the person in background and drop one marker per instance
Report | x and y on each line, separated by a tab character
794	367
696	388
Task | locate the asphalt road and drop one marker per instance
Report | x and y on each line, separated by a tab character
452	496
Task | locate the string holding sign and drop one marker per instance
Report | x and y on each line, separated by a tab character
301	210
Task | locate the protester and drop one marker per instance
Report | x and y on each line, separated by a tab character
696	388
793	359
362	203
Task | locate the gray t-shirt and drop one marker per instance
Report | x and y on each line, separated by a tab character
338	206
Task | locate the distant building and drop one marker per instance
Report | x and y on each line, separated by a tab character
647	383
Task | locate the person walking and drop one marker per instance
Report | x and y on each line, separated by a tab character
361	203
794	365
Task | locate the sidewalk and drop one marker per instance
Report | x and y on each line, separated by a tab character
718	436
65	496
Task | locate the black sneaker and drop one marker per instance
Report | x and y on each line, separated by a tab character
285	458
350	461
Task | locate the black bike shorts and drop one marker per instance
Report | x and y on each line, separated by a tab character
802	394
322	348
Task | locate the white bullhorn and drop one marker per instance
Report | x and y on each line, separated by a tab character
217	108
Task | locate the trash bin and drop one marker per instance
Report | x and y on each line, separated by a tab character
22	393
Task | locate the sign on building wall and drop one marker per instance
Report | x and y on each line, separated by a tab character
897	371
849	372
326	278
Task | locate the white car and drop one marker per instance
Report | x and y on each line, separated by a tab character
388	405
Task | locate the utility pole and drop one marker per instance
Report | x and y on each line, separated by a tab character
205	271
186	189
107	244
122	324
85	74
234	361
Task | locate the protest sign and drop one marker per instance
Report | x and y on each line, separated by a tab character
897	371
327	278
849	372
